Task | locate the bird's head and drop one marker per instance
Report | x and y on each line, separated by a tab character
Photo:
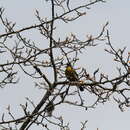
68	64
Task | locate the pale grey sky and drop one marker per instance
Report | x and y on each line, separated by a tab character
117	13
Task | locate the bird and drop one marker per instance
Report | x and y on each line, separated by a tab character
72	75
50	108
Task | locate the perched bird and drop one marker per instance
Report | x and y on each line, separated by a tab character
71	75
50	108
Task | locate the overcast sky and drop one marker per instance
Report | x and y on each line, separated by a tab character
117	13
